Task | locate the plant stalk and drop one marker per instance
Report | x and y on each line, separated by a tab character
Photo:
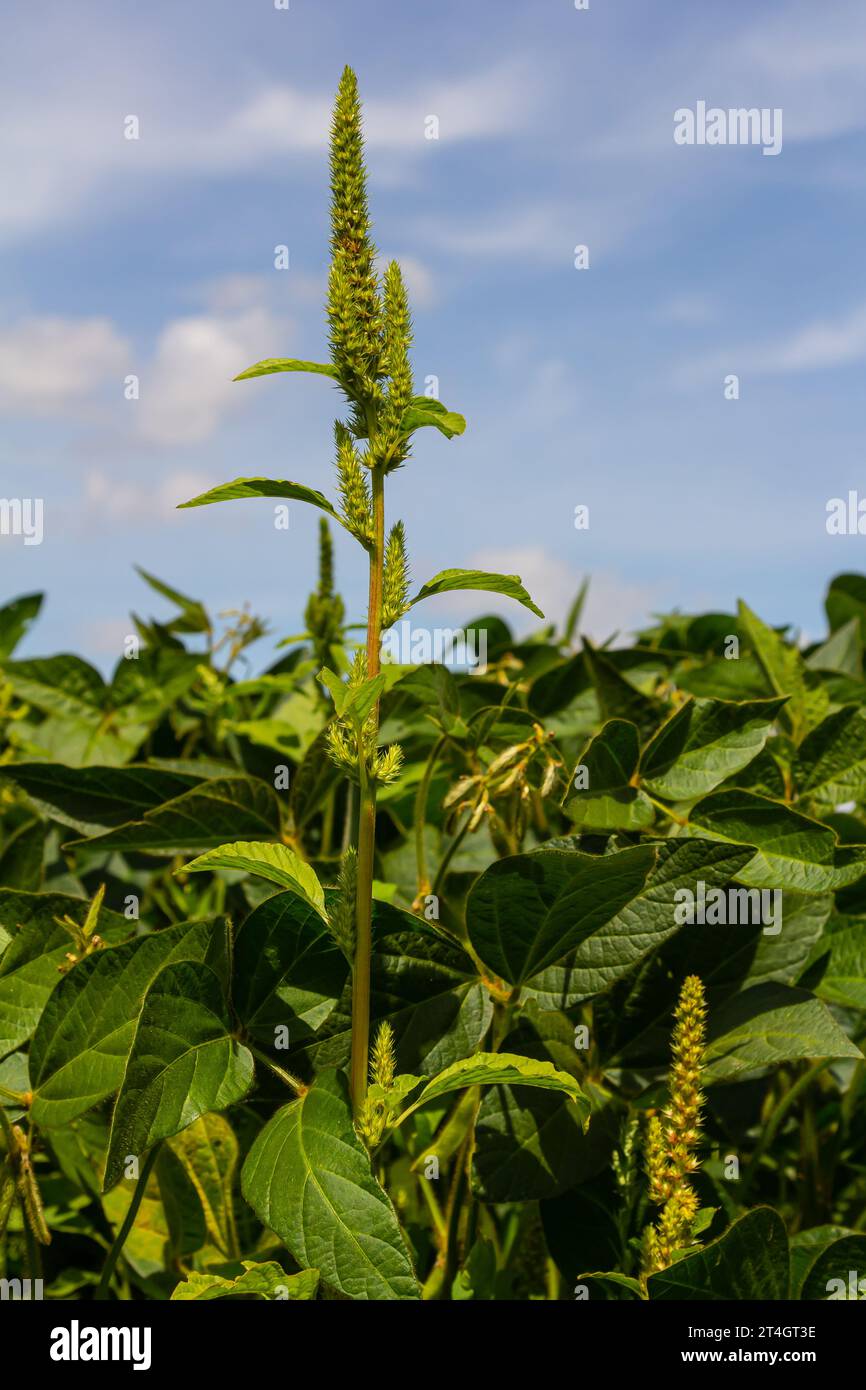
367	819
127	1223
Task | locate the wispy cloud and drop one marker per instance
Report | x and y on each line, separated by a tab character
49	363
817	346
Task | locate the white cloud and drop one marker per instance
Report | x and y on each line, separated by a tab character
123	500
817	346
49	363
189	388
64	150
472	107
613	604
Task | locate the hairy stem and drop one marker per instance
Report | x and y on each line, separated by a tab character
367	820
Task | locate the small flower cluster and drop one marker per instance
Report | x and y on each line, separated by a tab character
325	612
373	1115
381	765
670	1145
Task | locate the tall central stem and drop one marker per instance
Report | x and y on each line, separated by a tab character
367	819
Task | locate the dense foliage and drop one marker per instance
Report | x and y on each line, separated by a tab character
539	980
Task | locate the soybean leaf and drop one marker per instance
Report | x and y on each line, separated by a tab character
532	1144
268	1280
274	862
526	912
830	1277
500	1069
617	696
642	925
288	972
728	957
846	600
831	760
705	743
262	487
79	1050
63	685
15	620
183	1062
601	795
786	674
768	1024
582	1228
842	652
208	1152
88	798
269	365
843	981
203	817
749	1261
448	580
308	1178
806	1246
791	850
427	988
29	967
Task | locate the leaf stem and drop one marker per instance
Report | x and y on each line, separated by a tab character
297	1086
127	1223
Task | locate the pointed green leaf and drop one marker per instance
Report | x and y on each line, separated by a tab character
618	698
79	1051
262	487
203	817
500	1069
749	1261
194	617
208	1152
423	412
527	912
786	674
269	365
643	924
183	1062
768	1024
288	971
15	620
267	1280
89	798
449	580
277	863
308	1179
831	761
706	742
791	851
30	965
609	801
830	1277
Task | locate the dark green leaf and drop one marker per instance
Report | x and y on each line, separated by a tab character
308	1178
183	1062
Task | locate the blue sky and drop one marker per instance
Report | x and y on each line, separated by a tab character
601	387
